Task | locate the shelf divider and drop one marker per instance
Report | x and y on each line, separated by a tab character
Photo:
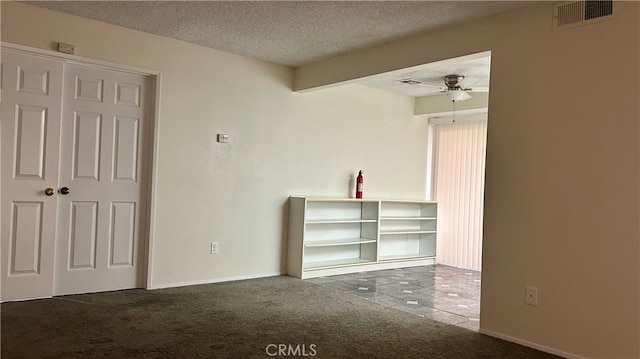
335	263
417	231
403	257
407	218
338	221
338	242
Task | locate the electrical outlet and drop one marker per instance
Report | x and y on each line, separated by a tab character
214	247
531	295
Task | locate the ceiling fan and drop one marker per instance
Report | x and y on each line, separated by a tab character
454	88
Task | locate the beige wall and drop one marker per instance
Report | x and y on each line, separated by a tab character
281	143
562	175
563	157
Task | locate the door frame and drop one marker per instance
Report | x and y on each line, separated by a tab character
148	222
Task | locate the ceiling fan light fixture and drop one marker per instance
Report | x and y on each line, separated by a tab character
457	95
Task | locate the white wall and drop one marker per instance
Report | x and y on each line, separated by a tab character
281	143
562	199
563	158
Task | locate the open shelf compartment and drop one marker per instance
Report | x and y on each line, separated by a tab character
340	211
408	210
408	218
342	255
415	245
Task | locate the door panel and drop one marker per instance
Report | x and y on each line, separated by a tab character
31	100
87	131
26	238
128	94
29	141
101	155
83	236
123	217
88	88
126	149
33	79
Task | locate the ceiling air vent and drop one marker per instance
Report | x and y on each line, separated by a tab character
576	13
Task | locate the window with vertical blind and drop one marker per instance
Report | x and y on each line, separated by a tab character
458	178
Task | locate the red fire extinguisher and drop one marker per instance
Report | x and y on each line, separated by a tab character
359	185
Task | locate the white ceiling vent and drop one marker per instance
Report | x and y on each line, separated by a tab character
570	14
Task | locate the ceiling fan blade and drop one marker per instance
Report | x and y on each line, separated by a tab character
468	81
414	82
427	85
477	89
434	93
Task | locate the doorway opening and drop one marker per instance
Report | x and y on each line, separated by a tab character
457	183
457	173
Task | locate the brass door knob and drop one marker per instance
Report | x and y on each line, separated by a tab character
64	190
49	191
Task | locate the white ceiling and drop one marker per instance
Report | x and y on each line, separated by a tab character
475	68
294	33
291	33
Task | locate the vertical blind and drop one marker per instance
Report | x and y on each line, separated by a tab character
459	166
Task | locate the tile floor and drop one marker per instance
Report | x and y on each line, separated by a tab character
446	294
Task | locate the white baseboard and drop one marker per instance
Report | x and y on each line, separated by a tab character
366	267
529	344
215	280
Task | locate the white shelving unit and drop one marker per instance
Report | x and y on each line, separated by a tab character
335	236
407	230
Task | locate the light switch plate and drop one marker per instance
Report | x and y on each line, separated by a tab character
223	138
66	48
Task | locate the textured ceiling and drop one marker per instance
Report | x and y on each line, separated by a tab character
475	68
291	33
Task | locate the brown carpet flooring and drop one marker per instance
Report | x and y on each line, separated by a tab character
234	320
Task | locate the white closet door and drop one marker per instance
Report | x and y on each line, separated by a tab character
102	165
460	153
31	96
